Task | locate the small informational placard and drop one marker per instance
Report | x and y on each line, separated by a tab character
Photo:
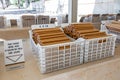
64	24
13	52
42	26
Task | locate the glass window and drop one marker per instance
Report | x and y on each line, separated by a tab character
95	6
53	6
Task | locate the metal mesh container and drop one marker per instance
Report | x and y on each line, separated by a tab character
99	48
59	56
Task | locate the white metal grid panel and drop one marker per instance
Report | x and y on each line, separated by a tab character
53	58
103	28
99	48
115	33
33	45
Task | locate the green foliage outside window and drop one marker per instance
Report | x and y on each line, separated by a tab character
35	0
16	2
21	2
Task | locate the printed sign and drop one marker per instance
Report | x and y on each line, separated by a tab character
64	24
42	26
13	50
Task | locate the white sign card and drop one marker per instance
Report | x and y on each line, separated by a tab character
64	24
42	26
13	52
